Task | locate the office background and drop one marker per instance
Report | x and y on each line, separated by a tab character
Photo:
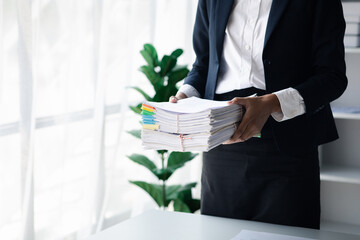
64	69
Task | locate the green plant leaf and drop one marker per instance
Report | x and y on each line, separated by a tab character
162	151
179	66
145	95
148	58
186	197
162	174
178	159
176	190
164	93
172	192
143	160
136	109
188	186
154	190
136	133
180	206
152	52
167	64
177	53
177	75
193	204
155	79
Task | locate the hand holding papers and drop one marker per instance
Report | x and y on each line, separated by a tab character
191	124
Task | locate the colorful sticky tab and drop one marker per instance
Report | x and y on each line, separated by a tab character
150	126
148	122
144	112
147	108
148	117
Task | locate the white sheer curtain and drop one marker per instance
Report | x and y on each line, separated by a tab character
64	68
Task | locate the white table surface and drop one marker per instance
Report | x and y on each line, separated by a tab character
162	225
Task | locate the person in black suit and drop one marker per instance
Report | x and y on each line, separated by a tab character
291	54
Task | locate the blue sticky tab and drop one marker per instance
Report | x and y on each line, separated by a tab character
148	117
148	122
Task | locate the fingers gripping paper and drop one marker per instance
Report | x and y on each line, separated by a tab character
192	124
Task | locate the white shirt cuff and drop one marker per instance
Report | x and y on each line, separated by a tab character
291	103
189	90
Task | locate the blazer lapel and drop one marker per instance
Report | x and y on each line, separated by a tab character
222	14
276	11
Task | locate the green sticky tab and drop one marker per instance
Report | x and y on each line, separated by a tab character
144	112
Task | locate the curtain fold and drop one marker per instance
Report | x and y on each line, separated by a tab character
99	110
26	121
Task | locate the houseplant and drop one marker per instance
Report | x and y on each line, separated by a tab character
163	75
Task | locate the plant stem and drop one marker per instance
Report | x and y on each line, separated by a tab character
163	182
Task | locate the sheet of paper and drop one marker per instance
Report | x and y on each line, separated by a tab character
182	106
252	235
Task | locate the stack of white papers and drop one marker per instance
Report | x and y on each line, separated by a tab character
192	124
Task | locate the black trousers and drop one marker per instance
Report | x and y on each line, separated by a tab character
254	181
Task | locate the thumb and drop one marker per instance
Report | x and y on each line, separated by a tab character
173	99
237	100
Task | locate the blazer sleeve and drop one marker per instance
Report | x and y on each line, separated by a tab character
328	80
198	75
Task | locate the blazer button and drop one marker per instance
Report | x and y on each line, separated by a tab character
267	61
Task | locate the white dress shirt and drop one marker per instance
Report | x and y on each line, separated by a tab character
241	64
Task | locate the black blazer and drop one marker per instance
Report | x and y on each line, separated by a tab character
303	49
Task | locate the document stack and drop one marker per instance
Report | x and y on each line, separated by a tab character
352	18
191	124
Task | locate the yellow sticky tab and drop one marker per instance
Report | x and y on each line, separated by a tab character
150	126
147	109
